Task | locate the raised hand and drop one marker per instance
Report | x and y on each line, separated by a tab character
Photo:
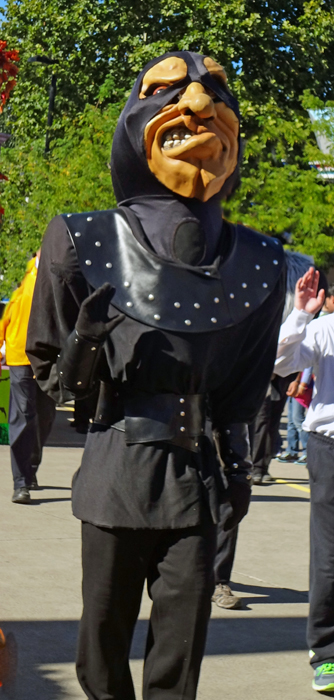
93	321
306	296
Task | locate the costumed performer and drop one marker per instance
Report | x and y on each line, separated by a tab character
175	313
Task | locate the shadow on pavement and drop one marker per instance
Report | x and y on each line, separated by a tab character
40	501
54	641
44	644
279	499
52	488
269	595
291	480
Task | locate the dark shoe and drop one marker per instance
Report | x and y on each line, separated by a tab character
323	680
21	495
287	457
224	598
267	478
82	428
34	483
257	479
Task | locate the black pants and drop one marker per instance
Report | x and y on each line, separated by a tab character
263	433
226	545
178	566
320	629
31	414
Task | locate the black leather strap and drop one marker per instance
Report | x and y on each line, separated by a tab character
153	417
77	363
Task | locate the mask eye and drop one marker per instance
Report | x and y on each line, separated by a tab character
158	89
211	93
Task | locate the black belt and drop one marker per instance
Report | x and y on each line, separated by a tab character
179	419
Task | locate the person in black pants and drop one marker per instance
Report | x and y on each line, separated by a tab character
178	567
149	302
31	415
303	343
31	412
263	431
224	559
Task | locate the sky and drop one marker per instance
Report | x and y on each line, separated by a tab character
2	6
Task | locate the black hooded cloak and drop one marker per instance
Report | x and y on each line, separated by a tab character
203	302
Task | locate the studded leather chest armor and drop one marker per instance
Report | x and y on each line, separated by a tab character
169	295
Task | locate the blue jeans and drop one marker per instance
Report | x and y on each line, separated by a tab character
296	416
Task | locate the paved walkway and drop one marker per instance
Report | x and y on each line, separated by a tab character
257	653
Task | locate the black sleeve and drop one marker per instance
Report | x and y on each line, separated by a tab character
241	396
233	451
59	292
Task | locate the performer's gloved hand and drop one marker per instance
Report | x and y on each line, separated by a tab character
233	451
238	495
93	322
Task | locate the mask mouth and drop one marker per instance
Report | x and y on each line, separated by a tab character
182	143
182	140
184	136
175	137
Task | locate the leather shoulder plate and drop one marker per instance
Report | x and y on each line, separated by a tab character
169	295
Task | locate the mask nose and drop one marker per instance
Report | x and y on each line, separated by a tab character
195	99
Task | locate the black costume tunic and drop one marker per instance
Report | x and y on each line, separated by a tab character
159	484
230	282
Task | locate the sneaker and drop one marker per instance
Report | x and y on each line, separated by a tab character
323	678
302	460
257	478
267	478
287	457
224	598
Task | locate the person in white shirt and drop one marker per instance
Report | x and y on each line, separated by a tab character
302	344
328	307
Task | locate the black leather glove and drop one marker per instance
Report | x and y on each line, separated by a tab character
78	361
93	322
233	451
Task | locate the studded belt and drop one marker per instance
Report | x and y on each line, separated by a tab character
144	417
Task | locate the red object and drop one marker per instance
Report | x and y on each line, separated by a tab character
306	398
8	72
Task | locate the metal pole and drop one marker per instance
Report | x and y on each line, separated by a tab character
52	96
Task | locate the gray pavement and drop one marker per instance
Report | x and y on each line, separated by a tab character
257	653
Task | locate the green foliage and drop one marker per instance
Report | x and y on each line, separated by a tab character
272	50
279	57
74	177
281	189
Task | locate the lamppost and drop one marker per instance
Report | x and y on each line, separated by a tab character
52	95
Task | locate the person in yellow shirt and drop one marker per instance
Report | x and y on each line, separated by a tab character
31	412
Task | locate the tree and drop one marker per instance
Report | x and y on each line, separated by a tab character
76	177
281	189
273	52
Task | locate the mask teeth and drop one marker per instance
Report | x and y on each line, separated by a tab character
176	137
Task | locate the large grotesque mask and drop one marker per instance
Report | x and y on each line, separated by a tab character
183	123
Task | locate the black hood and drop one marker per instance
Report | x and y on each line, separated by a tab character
131	175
